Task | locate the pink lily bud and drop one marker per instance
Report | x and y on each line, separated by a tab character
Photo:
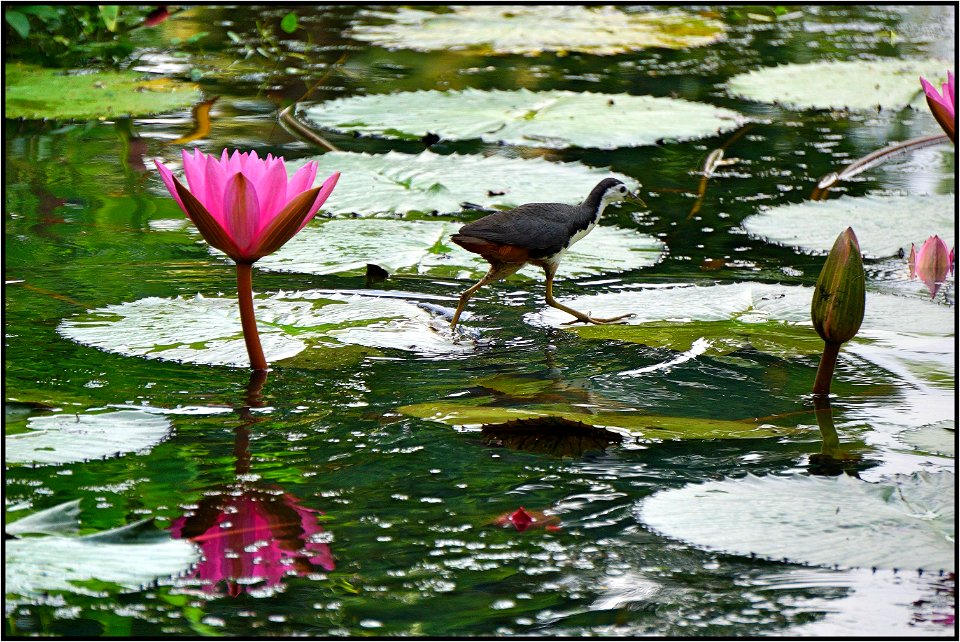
932	263
942	104
244	205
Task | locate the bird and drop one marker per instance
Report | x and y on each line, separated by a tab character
539	234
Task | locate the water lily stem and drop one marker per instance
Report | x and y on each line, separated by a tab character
827	364
247	317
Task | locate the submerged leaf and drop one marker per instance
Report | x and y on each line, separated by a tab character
905	522
518	29
550	119
549	435
885	225
63	439
36	92
854	84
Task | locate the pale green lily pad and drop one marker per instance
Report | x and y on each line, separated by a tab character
308	326
67	438
394	183
904	522
478	411
61	519
935	439
550	119
37	92
865	85
425	248
518	29
128	558
884	225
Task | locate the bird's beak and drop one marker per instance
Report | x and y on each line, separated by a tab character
635	198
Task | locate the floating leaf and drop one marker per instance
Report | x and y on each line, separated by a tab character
424	247
36	92
479	411
207	331
936	439
517	29
885	225
126	558
66	438
856	84
551	119
396	183
905	522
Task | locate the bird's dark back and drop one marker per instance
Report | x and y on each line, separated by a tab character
543	228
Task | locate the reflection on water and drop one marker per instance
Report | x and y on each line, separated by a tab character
414	502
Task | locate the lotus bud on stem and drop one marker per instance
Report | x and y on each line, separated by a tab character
838	304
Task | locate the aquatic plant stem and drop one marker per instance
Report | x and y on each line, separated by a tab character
828	361
247	317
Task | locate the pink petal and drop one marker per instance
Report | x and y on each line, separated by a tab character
933	263
241	211
193	168
169	181
322	195
253	167
948	94
215	178
935	96
272	190
301	181
913	261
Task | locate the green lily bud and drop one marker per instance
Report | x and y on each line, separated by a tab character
840	293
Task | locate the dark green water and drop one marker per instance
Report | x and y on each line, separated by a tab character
408	504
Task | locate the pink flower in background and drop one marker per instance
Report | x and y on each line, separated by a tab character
244	205
522	519
252	539
931	263
942	104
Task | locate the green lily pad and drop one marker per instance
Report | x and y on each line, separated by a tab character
61	519
865	85
394	184
518	29
424	247
67	438
478	411
35	92
885	225
310	325
550	119
935	439
904	522
123	559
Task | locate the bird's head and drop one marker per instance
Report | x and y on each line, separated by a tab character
614	191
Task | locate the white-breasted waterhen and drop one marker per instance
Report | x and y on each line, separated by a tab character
537	233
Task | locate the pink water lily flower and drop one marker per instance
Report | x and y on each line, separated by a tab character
943	104
244	205
247	207
931	263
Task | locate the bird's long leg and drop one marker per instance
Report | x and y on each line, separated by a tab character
496	272
550	270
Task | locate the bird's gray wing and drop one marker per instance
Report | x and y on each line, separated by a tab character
539	227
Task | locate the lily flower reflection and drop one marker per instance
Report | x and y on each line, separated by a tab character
252	538
932	262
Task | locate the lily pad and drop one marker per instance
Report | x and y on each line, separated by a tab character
482	410
865	85
122	559
394	184
770	317
518	29
903	522
61	519
424	247
207	331
549	435
67	438
550	119
935	439
36	92
885	225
